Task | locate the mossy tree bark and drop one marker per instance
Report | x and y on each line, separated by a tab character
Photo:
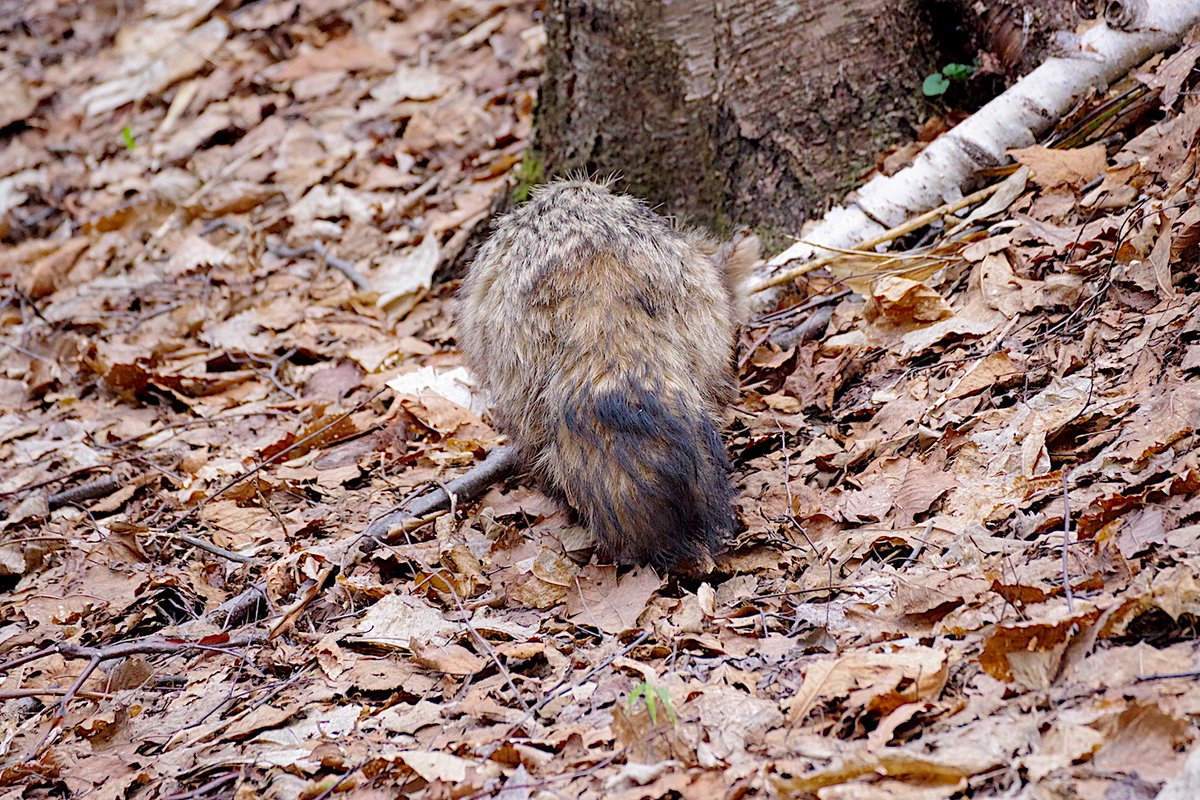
746	112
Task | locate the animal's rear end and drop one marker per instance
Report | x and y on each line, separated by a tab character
646	472
604	338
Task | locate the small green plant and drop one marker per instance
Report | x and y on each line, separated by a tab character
530	173
935	85
653	695
127	137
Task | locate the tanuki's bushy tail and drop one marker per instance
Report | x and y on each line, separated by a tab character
646	472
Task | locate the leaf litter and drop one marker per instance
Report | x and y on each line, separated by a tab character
231	239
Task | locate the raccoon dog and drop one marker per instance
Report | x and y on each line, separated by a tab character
605	338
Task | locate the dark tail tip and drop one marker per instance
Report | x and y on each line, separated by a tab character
650	476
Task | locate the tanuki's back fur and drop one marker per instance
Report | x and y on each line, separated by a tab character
605	337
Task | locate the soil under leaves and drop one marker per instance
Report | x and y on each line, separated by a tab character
231	238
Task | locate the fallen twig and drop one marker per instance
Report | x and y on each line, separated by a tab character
98	655
92	490
209	547
908	226
1166	676
806	331
241	608
151	645
207	789
499	463
49	691
318	249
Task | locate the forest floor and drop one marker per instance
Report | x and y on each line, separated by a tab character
969	561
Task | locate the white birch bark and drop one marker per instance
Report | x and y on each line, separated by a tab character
948	165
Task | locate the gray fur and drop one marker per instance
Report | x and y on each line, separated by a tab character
604	338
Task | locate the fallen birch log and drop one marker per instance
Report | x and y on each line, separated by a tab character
1131	32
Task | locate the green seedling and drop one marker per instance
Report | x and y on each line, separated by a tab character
127	137
935	85
653	695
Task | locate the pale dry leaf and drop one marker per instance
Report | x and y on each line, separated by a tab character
488	624
976	319
242	333
412	83
12	556
402	280
434	766
333	202
398	619
175	185
174	61
317	723
1144	741
733	719
456	385
1062	744
635	774
1170	76
1050	167
195	252
12	188
403	718
1186	784
601	599
519	785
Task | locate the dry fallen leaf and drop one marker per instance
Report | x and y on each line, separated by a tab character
1073	167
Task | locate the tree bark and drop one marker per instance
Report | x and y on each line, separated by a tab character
742	112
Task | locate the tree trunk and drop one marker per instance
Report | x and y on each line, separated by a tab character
738	113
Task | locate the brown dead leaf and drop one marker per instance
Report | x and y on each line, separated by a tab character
450	659
1052	167
347	54
1143	741
923	483
906	302
612	603
17	101
997	369
1186	235
49	272
914	767
1031	654
233	197
871	680
954	590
